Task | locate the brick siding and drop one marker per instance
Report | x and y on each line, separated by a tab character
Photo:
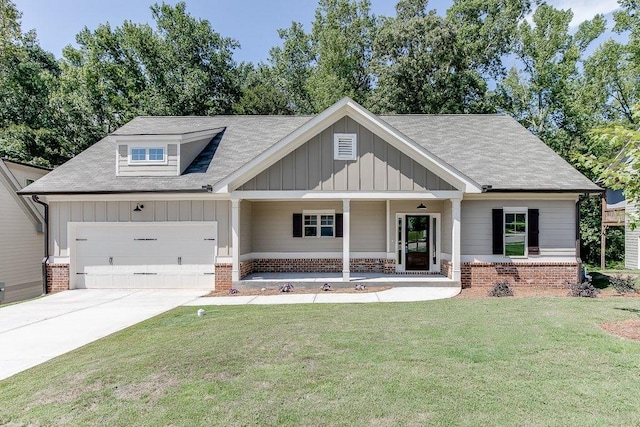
446	269
223	277
320	265
246	268
57	277
545	275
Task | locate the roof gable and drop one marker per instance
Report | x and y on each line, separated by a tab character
347	107
377	166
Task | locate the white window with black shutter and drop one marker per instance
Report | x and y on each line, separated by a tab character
317	224
515	232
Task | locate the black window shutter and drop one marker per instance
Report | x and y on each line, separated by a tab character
297	225
498	231
533	230
338	225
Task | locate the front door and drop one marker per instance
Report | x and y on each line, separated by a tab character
417	243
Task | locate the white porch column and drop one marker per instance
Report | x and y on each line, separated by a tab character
455	239
346	238
235	239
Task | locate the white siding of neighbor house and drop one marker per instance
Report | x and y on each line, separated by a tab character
21	248
557	225
272	227
60	213
378	167
170	169
631	240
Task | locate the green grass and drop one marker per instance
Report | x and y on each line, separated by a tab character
526	361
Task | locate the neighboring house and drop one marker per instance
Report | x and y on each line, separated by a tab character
21	231
204	201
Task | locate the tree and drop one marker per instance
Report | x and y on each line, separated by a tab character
420	67
539	93
260	94
182	67
342	41
27	76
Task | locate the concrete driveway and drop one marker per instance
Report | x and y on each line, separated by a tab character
35	331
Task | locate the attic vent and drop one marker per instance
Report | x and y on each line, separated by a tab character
345	146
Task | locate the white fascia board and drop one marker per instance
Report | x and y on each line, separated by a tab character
176	139
523	196
348	107
137	197
340	195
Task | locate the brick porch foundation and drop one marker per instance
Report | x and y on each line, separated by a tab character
543	274
320	265
57	277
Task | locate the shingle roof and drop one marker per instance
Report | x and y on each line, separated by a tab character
493	150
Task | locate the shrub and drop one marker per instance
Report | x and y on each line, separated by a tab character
360	287
287	287
233	291
584	289
623	284
501	289
325	287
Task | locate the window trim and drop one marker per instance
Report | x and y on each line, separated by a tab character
515	210
146	161
354	146
319	213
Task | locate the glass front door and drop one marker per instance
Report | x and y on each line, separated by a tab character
417	243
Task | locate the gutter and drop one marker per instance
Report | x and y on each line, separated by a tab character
490	189
204	189
36	199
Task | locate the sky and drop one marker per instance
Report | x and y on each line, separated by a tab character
253	23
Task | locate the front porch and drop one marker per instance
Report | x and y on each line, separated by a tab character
407	239
303	280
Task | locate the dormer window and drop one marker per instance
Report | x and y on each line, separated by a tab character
147	155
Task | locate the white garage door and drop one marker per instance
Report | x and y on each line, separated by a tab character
142	255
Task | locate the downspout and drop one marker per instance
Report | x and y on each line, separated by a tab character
46	242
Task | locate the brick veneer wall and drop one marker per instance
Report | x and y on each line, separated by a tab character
446	268
389	266
543	274
57	277
320	265
223	277
246	268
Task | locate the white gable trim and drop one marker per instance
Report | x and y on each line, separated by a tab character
347	107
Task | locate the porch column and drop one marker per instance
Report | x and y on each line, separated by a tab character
235	239
455	239
346	237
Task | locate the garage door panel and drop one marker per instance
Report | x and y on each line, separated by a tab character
175	255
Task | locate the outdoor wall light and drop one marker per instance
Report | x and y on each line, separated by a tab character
138	207
421	207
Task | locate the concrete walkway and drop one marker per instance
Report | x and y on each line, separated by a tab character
399	294
35	331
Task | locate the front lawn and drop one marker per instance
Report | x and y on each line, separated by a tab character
511	361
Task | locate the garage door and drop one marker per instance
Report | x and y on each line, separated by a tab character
135	255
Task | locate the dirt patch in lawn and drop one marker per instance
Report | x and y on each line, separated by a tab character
276	291
629	329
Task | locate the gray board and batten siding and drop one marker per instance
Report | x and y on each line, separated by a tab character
379	167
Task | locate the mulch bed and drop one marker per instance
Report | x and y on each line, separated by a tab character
276	291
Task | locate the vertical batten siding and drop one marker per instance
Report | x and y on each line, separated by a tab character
271	228
557	225
245	227
21	250
368	222
631	240
379	166
60	213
